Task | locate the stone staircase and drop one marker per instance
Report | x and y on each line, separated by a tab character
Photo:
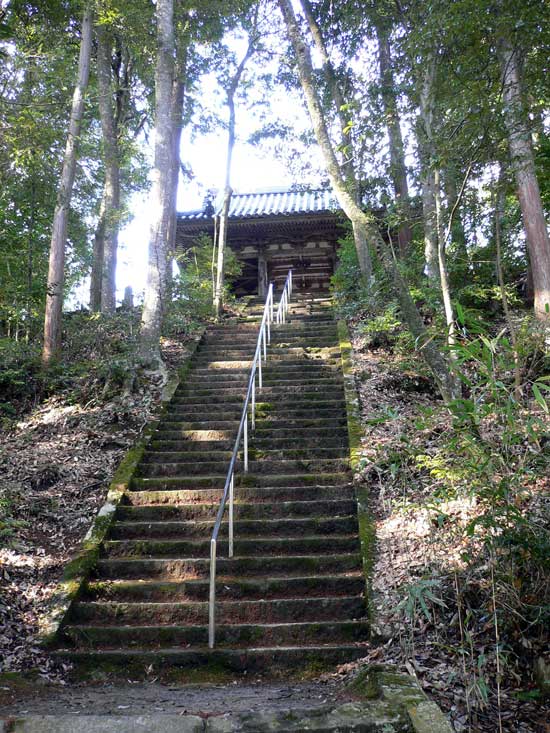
292	597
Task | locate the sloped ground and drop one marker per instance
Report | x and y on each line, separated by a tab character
56	462
433	589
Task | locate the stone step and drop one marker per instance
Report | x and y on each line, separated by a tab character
183	456
195	386
180	413
262	436
232	402
250	659
263	511
283	527
250	567
304	442
227	635
228	587
282	350
257	611
290	333
313	367
245	480
212	396
184	469
244	546
215	346
294	357
292	425
259	495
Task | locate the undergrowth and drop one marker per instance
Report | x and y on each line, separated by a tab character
483	592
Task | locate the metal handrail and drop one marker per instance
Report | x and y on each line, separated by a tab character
264	338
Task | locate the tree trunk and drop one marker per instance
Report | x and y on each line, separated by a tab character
335	90
112	170
178	97
97	258
398	170
161	191
224	216
427	175
499	200
410	314
458	235
442	266
56	269
521	153
347	166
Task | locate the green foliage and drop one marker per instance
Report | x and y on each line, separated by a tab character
23	379
383	329
419	597
192	287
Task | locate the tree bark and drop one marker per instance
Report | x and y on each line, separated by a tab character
178	98
56	269
427	176
442	265
521	153
346	199
499	200
224	216
161	191
347	166
111	196
97	258
461	259
336	93
410	314
398	169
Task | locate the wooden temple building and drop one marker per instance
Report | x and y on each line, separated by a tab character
273	231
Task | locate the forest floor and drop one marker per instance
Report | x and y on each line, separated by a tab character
434	594
57	459
56	462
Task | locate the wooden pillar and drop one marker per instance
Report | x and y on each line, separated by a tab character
262	274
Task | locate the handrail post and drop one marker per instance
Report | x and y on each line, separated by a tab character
246	444
231	497
260	371
212	596
264	339
253	410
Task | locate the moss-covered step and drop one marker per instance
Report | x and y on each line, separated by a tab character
242	479
284	527
255	454
348	584
139	662
259	494
184	569
227	635
244	546
263	511
279	610
279	438
275	466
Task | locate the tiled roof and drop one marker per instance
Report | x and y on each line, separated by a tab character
269	203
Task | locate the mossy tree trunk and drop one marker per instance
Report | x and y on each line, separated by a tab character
161	190
56	270
523	164
409	312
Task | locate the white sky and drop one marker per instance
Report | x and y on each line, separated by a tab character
253	168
